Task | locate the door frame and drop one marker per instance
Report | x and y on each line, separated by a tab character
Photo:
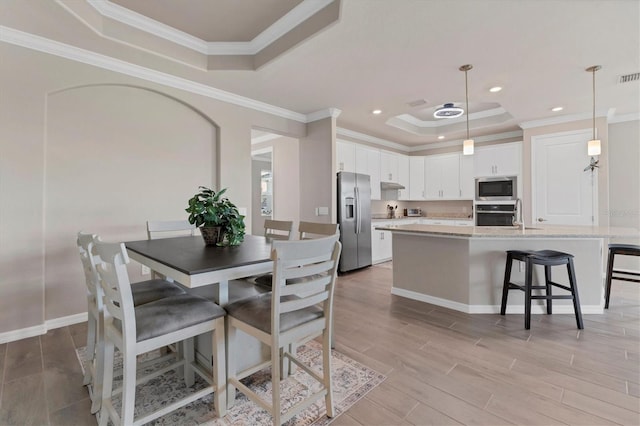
535	141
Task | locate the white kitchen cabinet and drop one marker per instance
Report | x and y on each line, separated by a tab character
368	163
381	248
447	222
498	160
403	177
388	166
464	222
416	179
467	181
442	177
345	157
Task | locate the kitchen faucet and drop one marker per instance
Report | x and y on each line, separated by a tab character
518	219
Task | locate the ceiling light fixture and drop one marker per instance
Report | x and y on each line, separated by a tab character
448	111
467	144
556	109
495	89
440	137
593	146
376	111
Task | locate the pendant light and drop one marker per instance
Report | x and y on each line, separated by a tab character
467	144
593	146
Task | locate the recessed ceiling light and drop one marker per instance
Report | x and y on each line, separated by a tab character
440	137
556	109
495	89
376	111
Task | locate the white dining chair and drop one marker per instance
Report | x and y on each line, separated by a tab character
286	315
142	292
148	327
167	229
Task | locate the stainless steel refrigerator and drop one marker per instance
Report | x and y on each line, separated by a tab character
354	217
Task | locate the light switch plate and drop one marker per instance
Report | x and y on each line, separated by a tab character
322	211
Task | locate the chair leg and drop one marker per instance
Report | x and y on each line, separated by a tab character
275	384
574	292
607	291
107	383
505	286
189	358
326	371
231	364
91	346
219	373
129	363
99	367
527	294
547	282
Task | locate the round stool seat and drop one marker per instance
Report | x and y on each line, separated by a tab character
628	249
620	274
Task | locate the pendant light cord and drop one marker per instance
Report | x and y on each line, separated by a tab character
594	102
466	91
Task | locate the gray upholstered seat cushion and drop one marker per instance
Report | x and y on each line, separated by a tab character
256	311
151	290
173	313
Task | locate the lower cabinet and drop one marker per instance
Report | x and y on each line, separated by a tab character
381	249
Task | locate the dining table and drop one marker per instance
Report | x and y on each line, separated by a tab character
190	262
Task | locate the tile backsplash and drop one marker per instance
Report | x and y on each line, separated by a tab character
453	208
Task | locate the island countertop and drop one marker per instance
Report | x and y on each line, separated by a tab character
538	231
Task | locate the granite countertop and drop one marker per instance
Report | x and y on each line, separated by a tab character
381	219
546	231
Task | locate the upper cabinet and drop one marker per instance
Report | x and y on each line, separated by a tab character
467	181
416	179
345	157
403	177
368	163
498	160
389	166
442	177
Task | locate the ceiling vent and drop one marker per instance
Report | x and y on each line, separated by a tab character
417	103
627	78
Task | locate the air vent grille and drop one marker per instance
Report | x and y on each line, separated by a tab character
417	103
627	78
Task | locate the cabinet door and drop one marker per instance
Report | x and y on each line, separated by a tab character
380	243
450	176
345	157
432	174
387	248
368	163
416	178
388	167
498	160
467	182
403	177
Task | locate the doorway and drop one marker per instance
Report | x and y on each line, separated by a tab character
262	188
563	192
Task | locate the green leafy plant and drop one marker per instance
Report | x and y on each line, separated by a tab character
209	208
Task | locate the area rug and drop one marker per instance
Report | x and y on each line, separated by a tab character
351	381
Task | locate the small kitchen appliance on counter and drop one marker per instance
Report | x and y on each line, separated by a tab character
414	212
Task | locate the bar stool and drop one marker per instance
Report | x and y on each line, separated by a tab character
619	274
547	258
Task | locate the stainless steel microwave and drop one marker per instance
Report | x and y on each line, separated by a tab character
497	188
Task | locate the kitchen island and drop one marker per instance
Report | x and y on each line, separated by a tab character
462	268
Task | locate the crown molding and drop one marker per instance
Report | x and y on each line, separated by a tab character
322	114
41	44
458	142
408	118
285	24
624	118
566	118
371	139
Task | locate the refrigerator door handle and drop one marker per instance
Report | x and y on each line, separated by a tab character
358	220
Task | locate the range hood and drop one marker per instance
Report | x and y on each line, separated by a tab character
390	185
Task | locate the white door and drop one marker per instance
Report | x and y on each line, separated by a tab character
563	193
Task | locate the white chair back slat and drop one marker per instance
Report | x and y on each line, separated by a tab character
310	286
303	271
278	229
310	230
303	302
89	262
169	228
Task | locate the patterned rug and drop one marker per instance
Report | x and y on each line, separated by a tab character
351	381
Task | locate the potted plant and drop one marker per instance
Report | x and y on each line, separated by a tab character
217	217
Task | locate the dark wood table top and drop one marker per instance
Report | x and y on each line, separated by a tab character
191	256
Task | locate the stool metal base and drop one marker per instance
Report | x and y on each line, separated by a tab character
618	274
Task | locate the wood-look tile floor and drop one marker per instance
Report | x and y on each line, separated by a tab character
443	367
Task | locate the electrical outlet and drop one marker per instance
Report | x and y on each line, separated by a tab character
145	270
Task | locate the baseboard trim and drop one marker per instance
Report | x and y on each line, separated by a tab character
492	309
38	330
